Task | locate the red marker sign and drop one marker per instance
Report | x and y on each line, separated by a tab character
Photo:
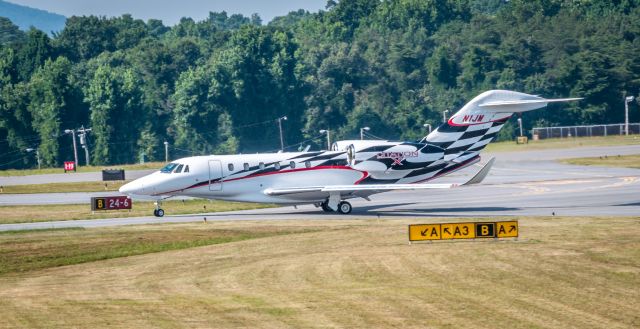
69	166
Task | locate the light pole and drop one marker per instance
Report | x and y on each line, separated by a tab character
444	115
520	124
427	125
83	142
37	155
362	132
627	100
166	151
280	126
75	148
323	131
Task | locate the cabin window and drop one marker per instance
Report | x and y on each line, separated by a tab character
186	168
168	168
261	165
292	164
307	164
179	169
246	166
277	165
230	166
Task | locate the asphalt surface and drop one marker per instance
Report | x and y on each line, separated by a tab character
520	184
66	177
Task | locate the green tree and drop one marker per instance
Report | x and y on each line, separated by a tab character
50	95
117	114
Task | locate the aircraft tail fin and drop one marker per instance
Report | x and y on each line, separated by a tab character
478	122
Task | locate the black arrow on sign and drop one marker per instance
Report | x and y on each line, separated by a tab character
446	230
424	233
512	228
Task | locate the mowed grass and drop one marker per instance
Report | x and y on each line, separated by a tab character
624	161
561	272
43	213
561	143
63	187
24	251
80	169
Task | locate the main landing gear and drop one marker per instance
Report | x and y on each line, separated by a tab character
158	212
344	207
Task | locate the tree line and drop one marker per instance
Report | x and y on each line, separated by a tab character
218	85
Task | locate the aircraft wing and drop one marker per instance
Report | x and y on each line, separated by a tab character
377	188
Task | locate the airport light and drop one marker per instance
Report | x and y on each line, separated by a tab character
280	126
166	151
520	124
427	125
75	147
323	131
37	155
83	142
444	115
627	100
362	132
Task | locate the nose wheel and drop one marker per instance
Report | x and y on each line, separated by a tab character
158	212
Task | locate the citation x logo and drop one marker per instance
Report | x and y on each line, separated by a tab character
397	157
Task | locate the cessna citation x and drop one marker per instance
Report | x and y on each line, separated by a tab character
352	169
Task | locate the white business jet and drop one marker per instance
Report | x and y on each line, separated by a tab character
352	169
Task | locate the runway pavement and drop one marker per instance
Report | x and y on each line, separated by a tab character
66	177
520	184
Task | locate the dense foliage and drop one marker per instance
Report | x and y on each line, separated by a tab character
219	85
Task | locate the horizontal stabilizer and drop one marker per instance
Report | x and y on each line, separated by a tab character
522	105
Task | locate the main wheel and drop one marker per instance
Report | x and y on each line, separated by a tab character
155	212
159	213
326	207
344	207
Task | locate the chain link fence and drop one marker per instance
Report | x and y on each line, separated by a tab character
584	131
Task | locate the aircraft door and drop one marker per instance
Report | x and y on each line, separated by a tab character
215	175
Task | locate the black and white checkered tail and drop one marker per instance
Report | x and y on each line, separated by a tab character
475	125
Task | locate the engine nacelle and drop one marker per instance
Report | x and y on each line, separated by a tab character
360	145
385	159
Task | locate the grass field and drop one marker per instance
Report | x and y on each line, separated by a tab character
14	172
558	143
43	213
624	161
63	187
562	272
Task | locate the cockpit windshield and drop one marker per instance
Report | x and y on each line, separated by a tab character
168	168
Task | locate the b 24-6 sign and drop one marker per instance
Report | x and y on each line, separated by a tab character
110	203
449	231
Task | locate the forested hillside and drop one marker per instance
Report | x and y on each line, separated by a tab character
218	85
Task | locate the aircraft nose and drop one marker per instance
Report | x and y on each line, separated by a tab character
134	187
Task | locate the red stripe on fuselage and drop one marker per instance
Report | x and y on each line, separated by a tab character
364	175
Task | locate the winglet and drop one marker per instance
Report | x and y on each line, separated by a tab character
482	174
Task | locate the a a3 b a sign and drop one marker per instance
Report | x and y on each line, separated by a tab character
449	231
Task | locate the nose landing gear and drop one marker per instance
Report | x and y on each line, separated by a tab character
158	212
